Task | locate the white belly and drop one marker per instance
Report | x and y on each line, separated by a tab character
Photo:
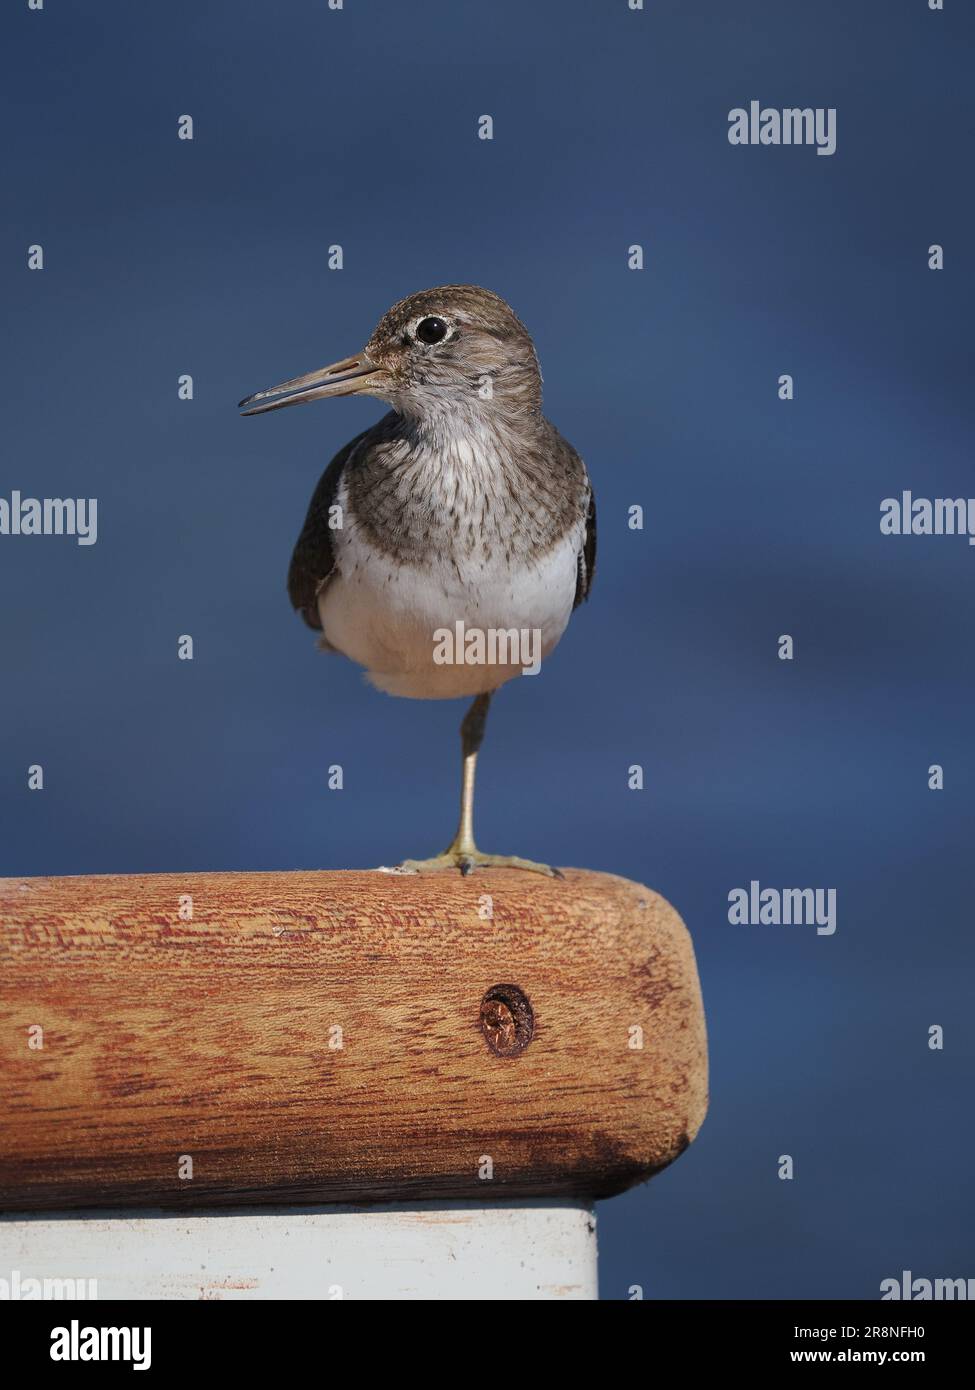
391	618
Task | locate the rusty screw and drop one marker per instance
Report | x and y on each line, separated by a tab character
507	1021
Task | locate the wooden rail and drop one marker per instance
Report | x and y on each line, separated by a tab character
207	1039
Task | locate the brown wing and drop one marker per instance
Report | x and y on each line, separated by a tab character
587	555
313	560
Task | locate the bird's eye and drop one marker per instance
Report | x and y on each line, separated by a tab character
432	330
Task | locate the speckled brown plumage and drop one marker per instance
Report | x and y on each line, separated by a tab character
524	510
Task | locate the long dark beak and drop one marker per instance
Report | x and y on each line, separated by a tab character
345	378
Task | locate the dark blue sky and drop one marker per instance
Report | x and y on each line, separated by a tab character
762	517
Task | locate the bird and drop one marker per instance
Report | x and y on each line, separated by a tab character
461	512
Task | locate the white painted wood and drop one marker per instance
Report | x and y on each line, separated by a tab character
528	1250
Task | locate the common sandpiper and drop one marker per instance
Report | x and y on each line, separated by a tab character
462	511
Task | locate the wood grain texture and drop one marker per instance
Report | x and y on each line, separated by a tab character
210	1038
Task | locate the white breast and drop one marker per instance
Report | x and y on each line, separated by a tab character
386	615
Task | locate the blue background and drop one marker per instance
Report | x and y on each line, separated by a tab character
762	517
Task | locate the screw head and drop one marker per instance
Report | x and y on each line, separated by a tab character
507	1020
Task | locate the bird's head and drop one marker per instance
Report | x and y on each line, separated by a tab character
439	351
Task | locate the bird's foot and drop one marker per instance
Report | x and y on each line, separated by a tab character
467	858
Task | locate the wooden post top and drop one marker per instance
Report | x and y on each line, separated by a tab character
223	1039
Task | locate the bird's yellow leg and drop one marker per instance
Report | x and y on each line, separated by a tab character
462	853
